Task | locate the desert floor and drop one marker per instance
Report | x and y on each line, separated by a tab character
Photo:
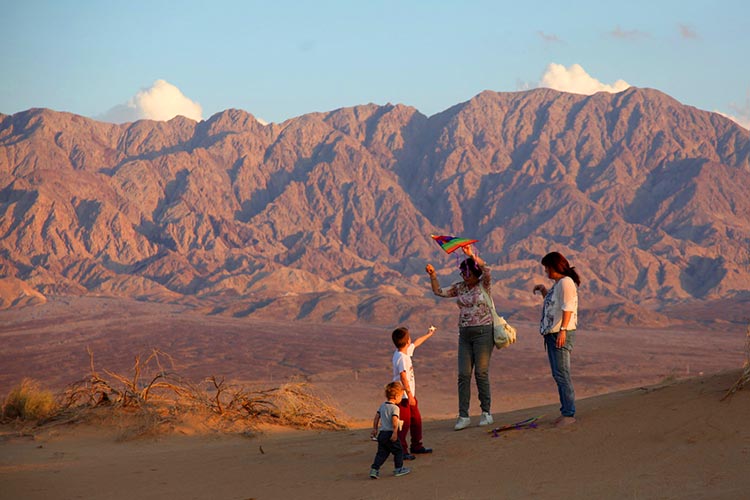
350	363
674	440
650	421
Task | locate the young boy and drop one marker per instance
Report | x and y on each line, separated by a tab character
385	427
403	371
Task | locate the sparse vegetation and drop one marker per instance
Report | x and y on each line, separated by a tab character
28	402
668	379
154	400
745	376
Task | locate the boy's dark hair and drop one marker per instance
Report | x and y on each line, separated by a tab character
393	389
399	336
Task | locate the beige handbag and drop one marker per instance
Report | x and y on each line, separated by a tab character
503	334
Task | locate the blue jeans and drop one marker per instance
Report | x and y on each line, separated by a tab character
475	345
387	447
559	362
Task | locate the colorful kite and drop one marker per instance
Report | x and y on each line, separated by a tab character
450	243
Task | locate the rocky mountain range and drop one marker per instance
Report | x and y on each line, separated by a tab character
328	216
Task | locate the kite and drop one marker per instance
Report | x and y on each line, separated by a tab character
529	423
450	243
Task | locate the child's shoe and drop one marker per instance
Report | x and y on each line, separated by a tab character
486	419
374	473
402	471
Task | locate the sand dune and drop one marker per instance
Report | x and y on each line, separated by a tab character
675	440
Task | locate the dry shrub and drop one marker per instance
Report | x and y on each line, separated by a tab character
745	376
28	401
299	406
155	400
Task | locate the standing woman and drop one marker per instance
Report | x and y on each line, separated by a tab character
558	326
475	341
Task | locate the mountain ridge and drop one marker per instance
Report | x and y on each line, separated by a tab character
648	197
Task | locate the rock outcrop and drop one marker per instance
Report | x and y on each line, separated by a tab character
327	216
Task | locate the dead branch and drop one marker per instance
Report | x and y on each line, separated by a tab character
745	376
164	398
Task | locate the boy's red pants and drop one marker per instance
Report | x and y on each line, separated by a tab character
412	423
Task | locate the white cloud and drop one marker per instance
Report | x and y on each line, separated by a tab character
162	101
740	112
522	85
574	79
741	121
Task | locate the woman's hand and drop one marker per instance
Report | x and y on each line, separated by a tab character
468	250
541	289
561	339
434	284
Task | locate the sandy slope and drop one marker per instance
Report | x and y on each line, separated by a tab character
668	441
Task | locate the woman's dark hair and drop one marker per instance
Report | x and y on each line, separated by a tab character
559	264
471	265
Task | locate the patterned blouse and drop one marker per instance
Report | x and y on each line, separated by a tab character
472	305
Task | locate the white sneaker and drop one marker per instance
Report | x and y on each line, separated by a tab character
461	423
485	419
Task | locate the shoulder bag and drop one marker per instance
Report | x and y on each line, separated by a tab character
503	334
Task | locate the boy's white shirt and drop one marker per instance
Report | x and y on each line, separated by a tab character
402	362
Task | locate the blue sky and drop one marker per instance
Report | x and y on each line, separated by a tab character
283	59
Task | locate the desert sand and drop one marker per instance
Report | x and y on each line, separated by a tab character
673	440
650	420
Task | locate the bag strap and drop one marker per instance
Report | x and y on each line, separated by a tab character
488	297
495	316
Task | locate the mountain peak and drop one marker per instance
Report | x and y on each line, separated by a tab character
646	196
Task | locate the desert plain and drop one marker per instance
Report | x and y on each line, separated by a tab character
651	419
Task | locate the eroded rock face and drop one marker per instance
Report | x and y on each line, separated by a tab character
17	293
328	214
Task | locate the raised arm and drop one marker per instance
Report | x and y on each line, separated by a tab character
486	272
434	283
469	252
436	289
424	337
